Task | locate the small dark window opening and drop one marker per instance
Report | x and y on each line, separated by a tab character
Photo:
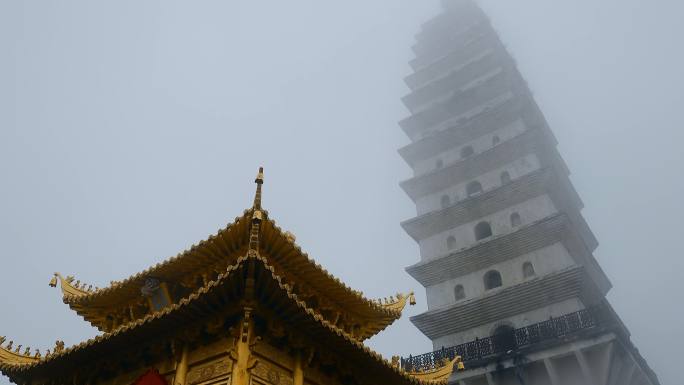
446	201
515	220
467	151
495	140
505	177
528	270
482	231
459	292
504	339
439	163
492	280
451	242
473	188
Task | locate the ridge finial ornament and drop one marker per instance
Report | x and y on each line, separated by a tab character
257	214
260	176
259	180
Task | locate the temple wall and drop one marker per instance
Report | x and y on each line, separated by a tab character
210	364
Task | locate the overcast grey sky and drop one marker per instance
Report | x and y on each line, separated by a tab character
131	129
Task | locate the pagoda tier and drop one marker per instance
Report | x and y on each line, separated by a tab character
531	141
482	124
124	302
534	237
256	310
555	288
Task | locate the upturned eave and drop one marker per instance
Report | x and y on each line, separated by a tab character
221	250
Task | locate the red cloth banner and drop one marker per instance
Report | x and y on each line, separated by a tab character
151	377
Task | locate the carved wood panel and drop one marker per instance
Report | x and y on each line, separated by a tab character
269	374
210	371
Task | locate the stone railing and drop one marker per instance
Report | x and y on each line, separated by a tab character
511	340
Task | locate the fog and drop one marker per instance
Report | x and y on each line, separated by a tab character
130	130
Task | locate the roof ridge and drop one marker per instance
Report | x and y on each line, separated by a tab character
374	304
183	254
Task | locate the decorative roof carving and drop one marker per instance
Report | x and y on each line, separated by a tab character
11	354
399	303
439	374
71	288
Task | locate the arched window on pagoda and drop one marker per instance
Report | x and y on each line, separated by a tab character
445	201
528	270
451	242
473	188
492	280
482	231
505	177
515	220
459	292
495	140
439	163
467	151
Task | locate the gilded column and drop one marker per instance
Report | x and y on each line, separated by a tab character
298	371
242	352
182	368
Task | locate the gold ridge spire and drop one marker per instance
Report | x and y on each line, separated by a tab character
259	180
257	214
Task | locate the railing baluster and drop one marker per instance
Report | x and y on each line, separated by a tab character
525	336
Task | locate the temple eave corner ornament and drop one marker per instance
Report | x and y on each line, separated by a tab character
399	303
439	374
69	287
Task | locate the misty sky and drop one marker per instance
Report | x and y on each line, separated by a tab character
130	130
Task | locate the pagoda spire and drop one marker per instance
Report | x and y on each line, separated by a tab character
259	181
257	214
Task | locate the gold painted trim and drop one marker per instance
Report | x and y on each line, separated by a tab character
16	357
399	303
440	374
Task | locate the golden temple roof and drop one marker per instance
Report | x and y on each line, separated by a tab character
188	307
220	250
306	295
